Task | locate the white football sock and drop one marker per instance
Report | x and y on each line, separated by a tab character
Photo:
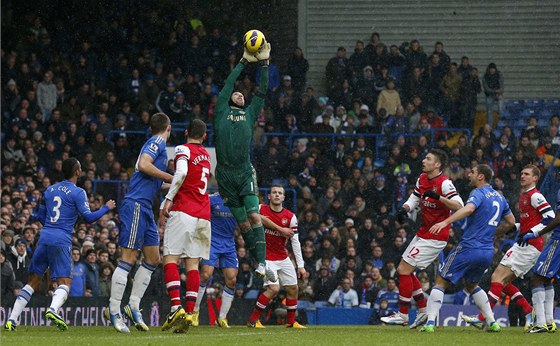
59	297
549	303
22	299
435	300
141	281
118	285
538	305
480	298
227	299
201	291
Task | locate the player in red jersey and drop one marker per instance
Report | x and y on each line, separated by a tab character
277	258
187	233
437	197
521	258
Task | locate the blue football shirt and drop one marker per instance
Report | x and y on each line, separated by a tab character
490	206
556	232
63	203
222	220
144	188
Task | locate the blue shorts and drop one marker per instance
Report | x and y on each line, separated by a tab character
222	255
466	263
548	263
56	258
138	228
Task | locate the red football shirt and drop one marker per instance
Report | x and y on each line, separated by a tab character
192	197
531	206
434	211
276	242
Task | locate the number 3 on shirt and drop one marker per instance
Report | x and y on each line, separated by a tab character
58	203
204	179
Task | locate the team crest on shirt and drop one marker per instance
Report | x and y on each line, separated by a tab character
284	221
525	202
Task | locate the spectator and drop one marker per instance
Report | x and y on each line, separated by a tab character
338	69
297	68
78	288
493	84
382	311
20	261
92	274
344	296
389	98
46	95
471	88
106	272
451	88
391	294
324	284
7	277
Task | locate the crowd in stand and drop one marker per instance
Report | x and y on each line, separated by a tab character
66	96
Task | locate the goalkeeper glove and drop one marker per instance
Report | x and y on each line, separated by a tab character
264	54
432	194
248	57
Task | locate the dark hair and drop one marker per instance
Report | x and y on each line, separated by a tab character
486	171
441	156
534	169
159	122
69	167
197	129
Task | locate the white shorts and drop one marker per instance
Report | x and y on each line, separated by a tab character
186	236
421	252
520	259
285	271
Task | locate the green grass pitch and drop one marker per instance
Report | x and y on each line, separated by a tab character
238	335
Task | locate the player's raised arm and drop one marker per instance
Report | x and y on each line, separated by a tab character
41	213
83	208
263	56
227	90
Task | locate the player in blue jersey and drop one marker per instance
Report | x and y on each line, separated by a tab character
222	255
546	268
473	256
61	205
138	230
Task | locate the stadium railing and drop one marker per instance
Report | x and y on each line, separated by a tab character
381	140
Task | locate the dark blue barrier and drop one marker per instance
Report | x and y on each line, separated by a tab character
380	139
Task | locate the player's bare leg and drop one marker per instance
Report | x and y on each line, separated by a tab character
262	302
230	275
291	305
24	296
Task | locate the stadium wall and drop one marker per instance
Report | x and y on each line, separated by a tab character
520	36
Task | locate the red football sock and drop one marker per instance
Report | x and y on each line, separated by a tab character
261	304
405	292
417	292
173	283
493	296
193	283
291	305
518	298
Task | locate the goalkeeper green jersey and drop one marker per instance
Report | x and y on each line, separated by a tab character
233	127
